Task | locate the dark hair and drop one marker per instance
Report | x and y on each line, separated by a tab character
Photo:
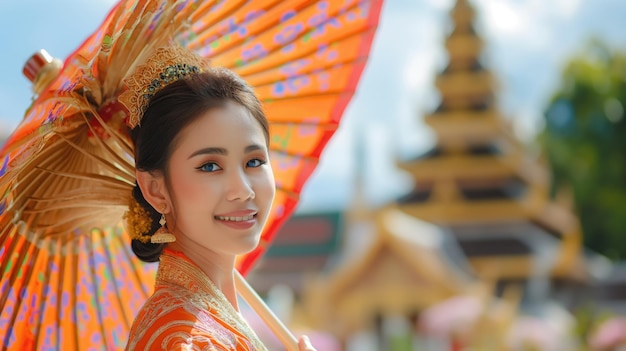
169	111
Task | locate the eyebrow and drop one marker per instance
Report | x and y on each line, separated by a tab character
222	151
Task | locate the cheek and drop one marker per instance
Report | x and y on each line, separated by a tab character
190	191
267	185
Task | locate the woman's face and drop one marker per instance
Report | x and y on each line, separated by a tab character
221	183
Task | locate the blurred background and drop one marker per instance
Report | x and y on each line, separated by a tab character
474	196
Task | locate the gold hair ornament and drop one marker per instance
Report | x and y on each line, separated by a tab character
167	64
138	221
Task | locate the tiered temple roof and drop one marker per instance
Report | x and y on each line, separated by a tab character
478	181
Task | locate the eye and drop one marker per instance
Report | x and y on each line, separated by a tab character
209	167
255	163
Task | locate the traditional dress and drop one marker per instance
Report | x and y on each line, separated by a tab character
188	312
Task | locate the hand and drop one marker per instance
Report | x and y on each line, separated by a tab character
304	344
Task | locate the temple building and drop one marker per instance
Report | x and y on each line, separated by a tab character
479	218
478	182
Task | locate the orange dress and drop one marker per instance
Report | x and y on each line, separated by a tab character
187	312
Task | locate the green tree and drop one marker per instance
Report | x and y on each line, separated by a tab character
585	141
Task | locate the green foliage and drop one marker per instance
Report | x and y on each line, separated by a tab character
585	141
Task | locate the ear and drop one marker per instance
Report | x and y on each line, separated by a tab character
154	190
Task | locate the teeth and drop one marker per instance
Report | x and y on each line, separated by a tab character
235	219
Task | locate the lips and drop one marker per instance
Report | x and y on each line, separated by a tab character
239	220
236	219
237	216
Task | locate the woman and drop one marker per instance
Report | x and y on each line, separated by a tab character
204	191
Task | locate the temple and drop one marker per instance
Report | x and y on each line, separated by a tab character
479	222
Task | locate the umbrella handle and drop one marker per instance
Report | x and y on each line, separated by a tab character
270	319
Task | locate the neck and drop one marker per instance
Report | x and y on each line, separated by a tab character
218	268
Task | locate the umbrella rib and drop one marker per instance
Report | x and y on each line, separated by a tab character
234	45
198	16
303	73
44	296
195	45
53	203
70	222
51	184
66	206
19	301
310	95
107	180
91	156
304	54
10	230
74	196
74	292
33	182
133	24
114	133
62	261
49	156
130	256
123	164
109	264
94	282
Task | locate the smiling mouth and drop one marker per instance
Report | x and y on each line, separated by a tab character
236	219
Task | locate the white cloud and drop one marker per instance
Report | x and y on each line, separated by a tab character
504	18
440	5
532	24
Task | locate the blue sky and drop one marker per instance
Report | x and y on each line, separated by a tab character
527	43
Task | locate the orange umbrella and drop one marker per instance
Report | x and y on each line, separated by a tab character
68	278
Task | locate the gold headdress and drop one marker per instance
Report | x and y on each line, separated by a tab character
166	65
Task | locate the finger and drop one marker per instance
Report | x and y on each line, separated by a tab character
305	344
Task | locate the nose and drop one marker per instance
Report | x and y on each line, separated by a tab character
239	187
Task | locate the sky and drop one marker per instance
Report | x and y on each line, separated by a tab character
527	44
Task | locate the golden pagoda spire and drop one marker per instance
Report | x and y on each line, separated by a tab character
477	180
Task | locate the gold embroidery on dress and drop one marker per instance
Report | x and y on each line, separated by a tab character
180	284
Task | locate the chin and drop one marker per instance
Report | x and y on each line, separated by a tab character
248	246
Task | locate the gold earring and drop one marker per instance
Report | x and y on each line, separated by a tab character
162	235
